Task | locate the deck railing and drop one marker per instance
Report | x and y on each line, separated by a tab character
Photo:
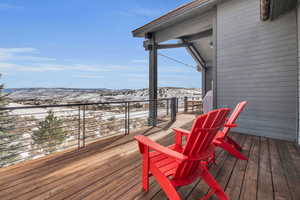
192	104
34	131
29	132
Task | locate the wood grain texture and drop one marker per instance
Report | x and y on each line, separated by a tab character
272	172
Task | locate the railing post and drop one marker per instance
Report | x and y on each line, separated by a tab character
193	101
177	103
167	107
79	126
185	104
173	109
152	119
83	132
128	118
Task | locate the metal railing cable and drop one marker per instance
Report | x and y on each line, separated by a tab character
36	131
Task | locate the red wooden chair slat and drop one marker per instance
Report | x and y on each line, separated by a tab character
224	141
178	164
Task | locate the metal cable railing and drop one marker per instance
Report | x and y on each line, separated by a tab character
30	132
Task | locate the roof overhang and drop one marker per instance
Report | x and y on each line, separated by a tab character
179	14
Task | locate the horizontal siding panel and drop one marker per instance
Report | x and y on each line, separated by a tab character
270	127
254	85
267	115
253	88
284	45
263	68
229	98
248	35
233	93
252	62
257	61
260	59
272	83
257	110
248	31
259	74
265	133
270	124
298	28
281	53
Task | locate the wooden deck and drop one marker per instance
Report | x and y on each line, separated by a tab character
272	172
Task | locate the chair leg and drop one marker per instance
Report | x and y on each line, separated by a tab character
213	184
145	172
236	145
233	151
165	183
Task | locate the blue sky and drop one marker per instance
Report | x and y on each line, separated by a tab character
84	44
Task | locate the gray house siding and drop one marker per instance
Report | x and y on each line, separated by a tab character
298	24
257	61
208	79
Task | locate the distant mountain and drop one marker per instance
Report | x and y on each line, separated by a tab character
10	90
37	96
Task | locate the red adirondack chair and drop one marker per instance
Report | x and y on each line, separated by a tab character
179	164
224	141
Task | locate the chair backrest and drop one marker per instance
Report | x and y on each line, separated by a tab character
202	134
234	115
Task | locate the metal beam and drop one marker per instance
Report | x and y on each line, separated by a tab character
148	46
152	120
169	46
196	55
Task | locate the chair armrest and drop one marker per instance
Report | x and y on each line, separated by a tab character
230	125
159	148
178	135
182	131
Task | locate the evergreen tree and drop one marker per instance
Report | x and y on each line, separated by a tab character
10	146
50	134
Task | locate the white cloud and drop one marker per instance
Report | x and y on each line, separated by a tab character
5	6
17	54
27	59
18	50
47	67
41	67
88	76
15	67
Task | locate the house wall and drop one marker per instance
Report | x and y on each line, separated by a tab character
257	61
208	79
298	29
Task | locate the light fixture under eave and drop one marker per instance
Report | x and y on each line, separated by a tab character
211	44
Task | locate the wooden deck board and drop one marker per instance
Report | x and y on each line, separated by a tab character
249	189
272	172
281	190
201	188
235	183
265	185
